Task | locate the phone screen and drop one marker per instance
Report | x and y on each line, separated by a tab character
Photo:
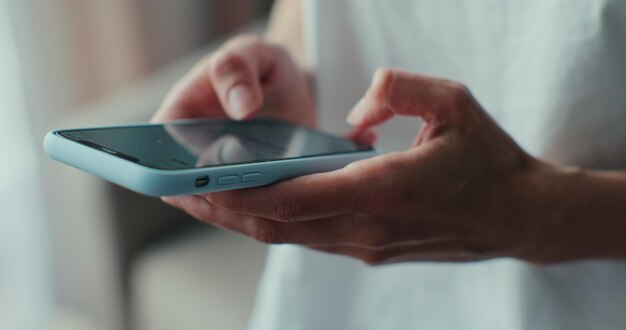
193	144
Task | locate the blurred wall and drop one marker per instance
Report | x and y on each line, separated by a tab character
191	23
25	285
76	51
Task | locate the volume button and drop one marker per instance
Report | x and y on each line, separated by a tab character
251	177
227	179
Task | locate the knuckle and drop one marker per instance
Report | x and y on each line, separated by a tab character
458	99
459	90
227	63
267	233
194	209
459	95
289	210
279	52
227	199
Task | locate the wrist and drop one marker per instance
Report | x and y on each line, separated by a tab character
541	212
554	238
579	214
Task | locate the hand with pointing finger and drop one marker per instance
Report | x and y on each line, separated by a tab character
464	191
246	77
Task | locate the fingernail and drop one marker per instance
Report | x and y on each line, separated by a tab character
240	99
356	115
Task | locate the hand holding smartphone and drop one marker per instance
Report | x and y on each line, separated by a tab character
199	156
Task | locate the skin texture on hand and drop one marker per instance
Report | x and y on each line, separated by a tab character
464	191
460	193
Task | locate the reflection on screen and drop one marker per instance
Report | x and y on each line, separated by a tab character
210	143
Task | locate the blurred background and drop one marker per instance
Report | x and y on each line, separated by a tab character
75	251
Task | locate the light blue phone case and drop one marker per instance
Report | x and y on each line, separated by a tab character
157	182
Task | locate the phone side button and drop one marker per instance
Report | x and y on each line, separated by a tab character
251	177
227	179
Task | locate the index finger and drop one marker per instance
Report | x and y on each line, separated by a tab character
395	92
192	97
228	82
348	190
304	198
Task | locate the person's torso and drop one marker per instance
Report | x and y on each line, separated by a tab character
551	73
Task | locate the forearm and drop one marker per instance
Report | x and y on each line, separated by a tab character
589	209
285	28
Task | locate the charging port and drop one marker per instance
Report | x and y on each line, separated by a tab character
202	181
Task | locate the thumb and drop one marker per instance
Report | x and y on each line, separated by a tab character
395	92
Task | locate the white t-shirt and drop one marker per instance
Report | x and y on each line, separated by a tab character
552	73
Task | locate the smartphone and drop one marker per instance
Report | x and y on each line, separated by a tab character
199	156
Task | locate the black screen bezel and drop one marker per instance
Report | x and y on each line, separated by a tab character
131	158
